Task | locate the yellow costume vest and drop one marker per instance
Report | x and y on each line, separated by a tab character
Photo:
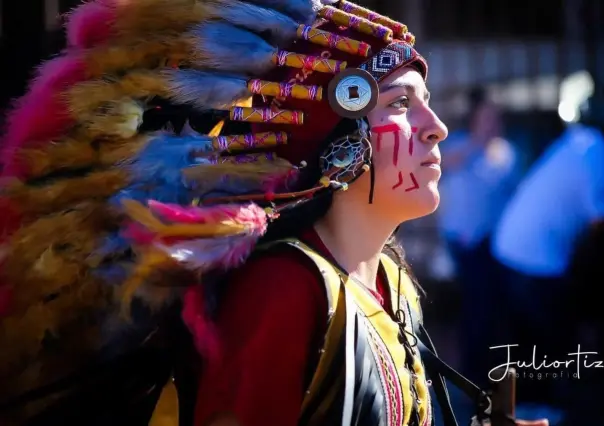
369	371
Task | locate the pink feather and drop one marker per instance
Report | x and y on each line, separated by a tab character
90	24
41	114
138	234
201	327
204	254
251	214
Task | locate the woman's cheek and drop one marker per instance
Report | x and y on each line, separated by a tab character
395	149
392	140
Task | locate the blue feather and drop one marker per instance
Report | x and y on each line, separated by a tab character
258	19
165	156
205	90
156	172
300	10
113	274
113	246
224	47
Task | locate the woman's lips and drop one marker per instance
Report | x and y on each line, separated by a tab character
432	162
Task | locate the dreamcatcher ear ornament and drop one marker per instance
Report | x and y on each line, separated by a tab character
343	162
348	157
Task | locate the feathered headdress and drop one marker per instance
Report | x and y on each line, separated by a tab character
102	199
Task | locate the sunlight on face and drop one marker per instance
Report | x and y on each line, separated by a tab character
405	138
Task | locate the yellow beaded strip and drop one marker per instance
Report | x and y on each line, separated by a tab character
333	41
312	63
285	90
237	143
358	23
267	115
397	28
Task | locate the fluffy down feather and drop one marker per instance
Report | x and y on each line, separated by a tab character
199	253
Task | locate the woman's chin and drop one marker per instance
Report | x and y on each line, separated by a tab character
427	199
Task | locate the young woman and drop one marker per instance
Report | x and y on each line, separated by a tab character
273	319
296	136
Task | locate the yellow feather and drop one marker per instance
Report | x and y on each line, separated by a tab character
144	216
202	230
139	213
216	129
149	262
219	126
119	119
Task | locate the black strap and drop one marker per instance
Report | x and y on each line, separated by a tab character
439	370
433	370
372	182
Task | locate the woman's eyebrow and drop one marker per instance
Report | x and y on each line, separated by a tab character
400	85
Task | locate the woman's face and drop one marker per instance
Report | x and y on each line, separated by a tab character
405	137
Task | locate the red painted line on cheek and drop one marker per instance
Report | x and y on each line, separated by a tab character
400	181
411	141
389	128
397	143
386	128
415	185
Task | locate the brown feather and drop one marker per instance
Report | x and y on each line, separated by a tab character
139	18
84	98
150	52
52	251
64	193
64	154
72	153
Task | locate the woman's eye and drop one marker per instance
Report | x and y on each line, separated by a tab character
402	103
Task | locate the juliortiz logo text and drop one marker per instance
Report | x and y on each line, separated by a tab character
540	366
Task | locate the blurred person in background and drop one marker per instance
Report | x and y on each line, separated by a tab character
557	205
478	177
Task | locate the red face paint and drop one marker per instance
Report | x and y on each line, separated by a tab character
400	181
389	128
414	186
413	131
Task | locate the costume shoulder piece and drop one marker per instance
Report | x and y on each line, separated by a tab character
159	146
